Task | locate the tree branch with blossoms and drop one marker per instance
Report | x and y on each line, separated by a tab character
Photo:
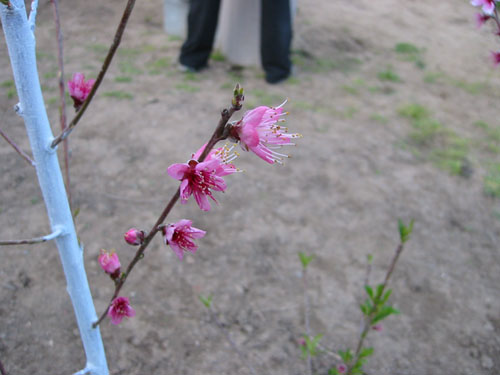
259	130
489	11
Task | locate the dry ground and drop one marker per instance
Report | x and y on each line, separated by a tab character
390	131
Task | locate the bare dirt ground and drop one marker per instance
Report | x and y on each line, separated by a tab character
390	131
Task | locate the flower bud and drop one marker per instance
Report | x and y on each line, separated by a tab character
109	262
134	237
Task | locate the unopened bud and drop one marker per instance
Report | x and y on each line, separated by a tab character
134	237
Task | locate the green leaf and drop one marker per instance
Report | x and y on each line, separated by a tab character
405	231
312	344
76	212
369	291
380	290
333	371
305	259
369	258
366	352
207	301
384	312
346	356
386	296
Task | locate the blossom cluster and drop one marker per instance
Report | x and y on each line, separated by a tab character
260	131
489	11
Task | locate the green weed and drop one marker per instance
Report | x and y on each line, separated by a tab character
406	48
433	77
379	118
388	75
186	87
491	183
128	68
120	95
425	130
452	156
123	79
7	84
158	66
217	56
414	112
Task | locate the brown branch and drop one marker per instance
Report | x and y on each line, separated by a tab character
62	98
2	369
18	150
31	240
216	136
104	68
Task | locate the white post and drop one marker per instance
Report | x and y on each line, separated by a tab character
21	45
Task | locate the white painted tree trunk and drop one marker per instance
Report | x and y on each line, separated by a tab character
21	45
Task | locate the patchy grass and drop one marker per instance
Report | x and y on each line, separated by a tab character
52	101
472	88
491	183
406	48
192	77
433	77
389	75
264	97
410	52
425	131
158	66
123	79
218	56
174	38
97	48
432	141
7	84
452	156
379	118
187	87
128	68
50	75
414	112
120	95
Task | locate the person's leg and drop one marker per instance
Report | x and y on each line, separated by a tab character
202	23
276	38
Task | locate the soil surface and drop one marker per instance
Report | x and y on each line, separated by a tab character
398	106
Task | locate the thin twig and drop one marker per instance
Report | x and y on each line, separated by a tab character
306	317
62	98
216	136
32	17
219	324
2	369
48	237
104	68
18	150
367	320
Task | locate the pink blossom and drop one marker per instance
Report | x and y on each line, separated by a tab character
488	5
179	236
198	179
259	131
342	368
301	341
120	308
378	327
79	89
134	237
481	19
109	262
495	57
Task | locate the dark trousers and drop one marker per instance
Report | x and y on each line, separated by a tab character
275	40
